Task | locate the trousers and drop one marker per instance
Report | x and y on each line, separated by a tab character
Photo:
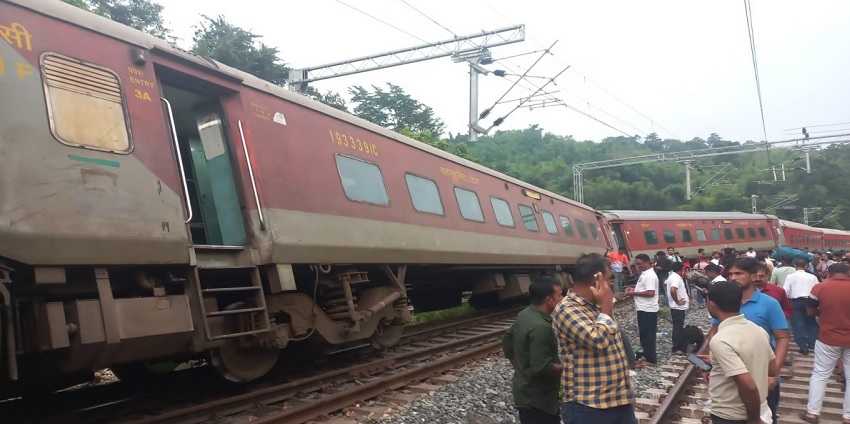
826	357
647	327
805	326
678	316
536	416
576	413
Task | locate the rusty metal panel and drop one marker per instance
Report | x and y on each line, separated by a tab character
89	320
50	275
142	317
57	325
85	104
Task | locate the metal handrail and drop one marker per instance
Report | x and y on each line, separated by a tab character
179	159
251	174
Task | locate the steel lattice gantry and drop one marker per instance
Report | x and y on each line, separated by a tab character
691	155
299	78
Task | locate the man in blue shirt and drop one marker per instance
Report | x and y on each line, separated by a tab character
765	312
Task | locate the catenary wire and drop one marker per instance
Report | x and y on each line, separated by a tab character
751	33
428	17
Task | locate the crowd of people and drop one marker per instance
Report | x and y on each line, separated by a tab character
572	360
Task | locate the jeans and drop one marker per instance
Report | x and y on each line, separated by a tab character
717	420
647	327
678	324
536	416
805	327
773	400
826	357
700	297
619	281
576	413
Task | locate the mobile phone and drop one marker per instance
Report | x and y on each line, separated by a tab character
699	362
597	276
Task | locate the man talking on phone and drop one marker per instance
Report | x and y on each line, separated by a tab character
596	372
742	361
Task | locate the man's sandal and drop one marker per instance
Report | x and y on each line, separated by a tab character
809	419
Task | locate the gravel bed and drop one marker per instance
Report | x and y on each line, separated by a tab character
482	395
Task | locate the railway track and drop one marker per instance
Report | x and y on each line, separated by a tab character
354	374
684	398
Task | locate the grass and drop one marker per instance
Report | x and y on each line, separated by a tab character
459	311
664	313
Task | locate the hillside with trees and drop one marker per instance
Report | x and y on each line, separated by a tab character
546	159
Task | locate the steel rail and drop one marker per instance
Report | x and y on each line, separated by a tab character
671	400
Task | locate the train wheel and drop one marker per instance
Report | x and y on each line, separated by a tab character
240	361
386	336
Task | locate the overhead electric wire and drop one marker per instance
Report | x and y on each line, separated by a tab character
751	32
381	21
573	68
816	126
429	18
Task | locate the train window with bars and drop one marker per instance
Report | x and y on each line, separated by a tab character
669	236
582	229
362	181
549	223
740	233
85	105
470	207
594	231
424	194
503	212
727	234
715	234
751	232
686	236
567	226
528	218
650	237
701	235
762	232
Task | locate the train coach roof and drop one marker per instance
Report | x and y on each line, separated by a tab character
833	232
680	215
91	21
798	226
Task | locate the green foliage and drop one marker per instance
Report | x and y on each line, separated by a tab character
394	109
143	15
329	98
457	148
460	311
237	47
546	160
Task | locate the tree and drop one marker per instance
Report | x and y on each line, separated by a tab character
143	15
229	44
329	98
456	148
394	109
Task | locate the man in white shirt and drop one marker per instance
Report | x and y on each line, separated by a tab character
646	303
751	253
798	287
677	296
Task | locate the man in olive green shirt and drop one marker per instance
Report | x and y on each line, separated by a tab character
532	348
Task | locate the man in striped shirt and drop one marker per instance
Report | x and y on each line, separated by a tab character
596	372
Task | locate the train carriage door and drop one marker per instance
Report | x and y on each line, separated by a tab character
197	121
618	232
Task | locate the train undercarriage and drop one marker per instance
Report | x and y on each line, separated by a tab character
60	324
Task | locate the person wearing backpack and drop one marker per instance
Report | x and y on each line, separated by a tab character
697	278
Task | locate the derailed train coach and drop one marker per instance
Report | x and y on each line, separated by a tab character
159	205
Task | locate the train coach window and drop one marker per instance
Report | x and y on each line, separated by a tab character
362	181
594	231
85	104
669	236
651	237
751	232
727	234
715	234
740	233
762	232
469	206
701	235
567	226
582	230
528	218
686	236
503	212
549	223
424	194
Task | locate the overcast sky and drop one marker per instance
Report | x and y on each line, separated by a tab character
682	69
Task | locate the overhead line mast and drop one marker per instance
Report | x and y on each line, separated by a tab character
471	48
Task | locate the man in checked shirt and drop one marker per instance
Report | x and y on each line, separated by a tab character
596	372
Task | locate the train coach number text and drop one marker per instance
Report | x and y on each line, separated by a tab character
353	143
